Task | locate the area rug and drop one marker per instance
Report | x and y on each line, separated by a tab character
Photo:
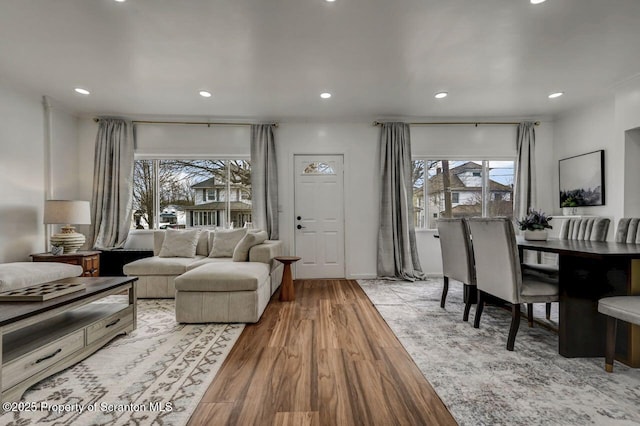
484	384
153	376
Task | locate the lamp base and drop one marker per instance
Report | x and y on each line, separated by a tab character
69	239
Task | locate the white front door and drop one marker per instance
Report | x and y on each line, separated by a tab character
319	216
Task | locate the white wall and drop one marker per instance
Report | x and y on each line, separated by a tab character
588	129
358	142
27	181
22	168
610	125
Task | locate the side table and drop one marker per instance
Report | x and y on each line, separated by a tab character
89	260
287	292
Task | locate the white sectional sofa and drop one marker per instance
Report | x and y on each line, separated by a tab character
210	289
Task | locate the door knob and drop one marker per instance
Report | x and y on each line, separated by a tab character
300	226
299	218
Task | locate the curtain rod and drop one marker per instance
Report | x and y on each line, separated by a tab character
207	123
475	123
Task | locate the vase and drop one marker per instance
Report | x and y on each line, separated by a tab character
536	235
569	211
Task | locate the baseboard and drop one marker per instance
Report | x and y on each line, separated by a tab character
362	276
373	277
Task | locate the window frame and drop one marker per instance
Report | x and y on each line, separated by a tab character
484	176
157	158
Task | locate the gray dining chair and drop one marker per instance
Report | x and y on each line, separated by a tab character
498	271
583	228
623	308
628	230
457	259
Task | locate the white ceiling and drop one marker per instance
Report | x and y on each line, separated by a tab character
270	59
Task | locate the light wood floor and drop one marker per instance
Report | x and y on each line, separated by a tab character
327	358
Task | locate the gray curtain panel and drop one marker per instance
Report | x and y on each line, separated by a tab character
112	183
524	188
397	251
264	180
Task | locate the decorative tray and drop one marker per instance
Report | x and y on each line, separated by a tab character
40	292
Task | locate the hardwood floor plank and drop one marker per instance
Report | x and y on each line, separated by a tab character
326	358
335	395
207	411
300	418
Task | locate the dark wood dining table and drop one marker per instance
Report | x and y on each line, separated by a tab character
589	271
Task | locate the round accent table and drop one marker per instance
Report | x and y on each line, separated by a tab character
287	292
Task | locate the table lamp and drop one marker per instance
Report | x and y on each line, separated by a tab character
67	212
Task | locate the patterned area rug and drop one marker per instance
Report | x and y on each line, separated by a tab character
154	376
484	384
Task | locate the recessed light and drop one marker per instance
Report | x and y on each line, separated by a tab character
537	1
205	94
441	95
325	95
556	95
330	1
82	91
120	1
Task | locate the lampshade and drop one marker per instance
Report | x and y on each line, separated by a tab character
67	212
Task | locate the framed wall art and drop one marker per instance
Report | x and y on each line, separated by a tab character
582	180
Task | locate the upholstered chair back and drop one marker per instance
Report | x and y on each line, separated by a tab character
457	252
585	228
496	257
628	230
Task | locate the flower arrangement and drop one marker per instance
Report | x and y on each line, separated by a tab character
534	221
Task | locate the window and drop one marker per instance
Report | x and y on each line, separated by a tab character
458	188
191	193
318	168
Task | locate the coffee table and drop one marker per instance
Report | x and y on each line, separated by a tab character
39	339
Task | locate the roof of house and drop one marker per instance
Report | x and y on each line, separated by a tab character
435	183
207	183
211	183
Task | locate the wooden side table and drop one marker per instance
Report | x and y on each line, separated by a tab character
287	292
89	260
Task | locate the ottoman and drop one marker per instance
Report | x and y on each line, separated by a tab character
223	292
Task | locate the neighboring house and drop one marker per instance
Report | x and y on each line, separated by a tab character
212	202
465	184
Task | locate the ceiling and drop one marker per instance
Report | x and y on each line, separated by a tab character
271	59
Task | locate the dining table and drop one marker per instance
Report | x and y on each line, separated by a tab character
589	271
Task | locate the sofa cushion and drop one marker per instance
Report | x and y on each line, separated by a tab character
266	251
224	242
206	261
159	265
23	274
180	243
241	252
224	276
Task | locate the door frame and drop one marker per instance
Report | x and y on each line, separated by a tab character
292	222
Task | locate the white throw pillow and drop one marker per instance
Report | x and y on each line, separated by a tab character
224	242
241	253
179	243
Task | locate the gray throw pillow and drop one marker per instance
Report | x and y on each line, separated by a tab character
224	242
241	253
179	243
